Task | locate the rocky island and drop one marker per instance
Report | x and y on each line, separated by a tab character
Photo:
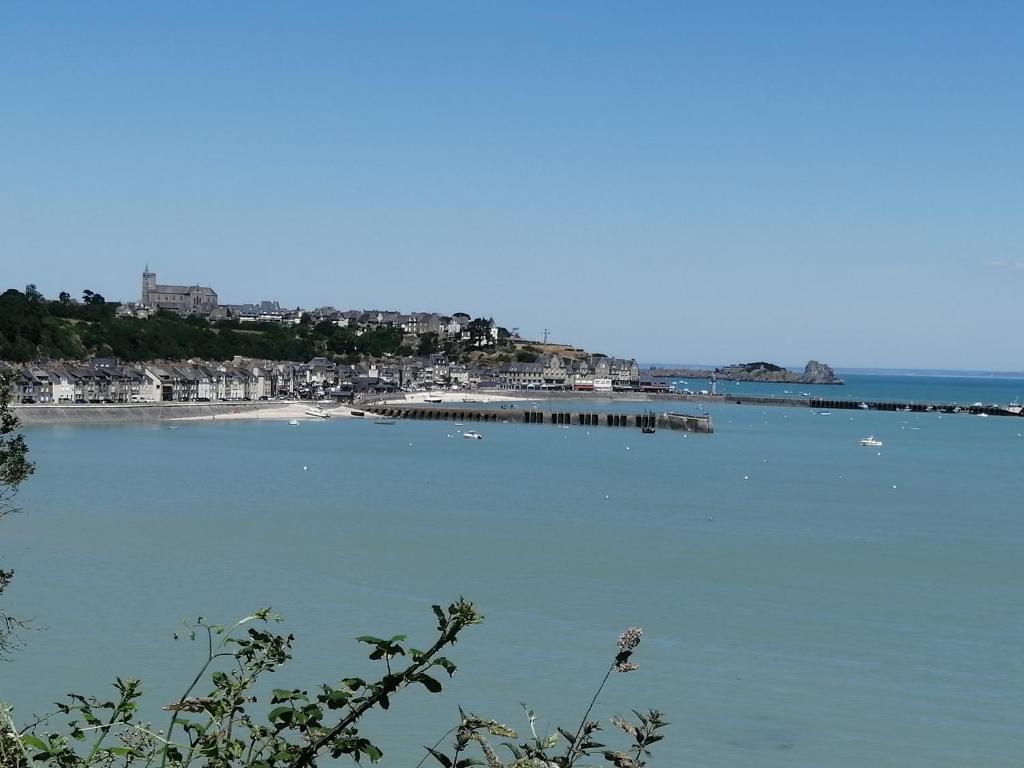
813	373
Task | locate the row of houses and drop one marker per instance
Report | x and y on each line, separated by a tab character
106	381
109	381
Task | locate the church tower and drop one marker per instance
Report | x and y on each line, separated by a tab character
148	285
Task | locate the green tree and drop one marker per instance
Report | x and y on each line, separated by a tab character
15	468
64	298
427	345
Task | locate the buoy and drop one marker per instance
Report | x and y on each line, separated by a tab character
304	469
894	487
746	477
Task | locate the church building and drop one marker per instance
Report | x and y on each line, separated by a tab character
183	299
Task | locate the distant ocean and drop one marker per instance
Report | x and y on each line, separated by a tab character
806	601
946	387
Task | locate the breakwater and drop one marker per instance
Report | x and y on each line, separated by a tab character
649	420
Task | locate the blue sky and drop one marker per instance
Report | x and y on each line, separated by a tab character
717	182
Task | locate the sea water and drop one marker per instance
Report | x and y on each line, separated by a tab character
805	601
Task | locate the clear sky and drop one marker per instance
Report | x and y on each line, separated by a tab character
713	182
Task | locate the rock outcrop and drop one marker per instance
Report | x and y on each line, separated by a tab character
819	373
814	373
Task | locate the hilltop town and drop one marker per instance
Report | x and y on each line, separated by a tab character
178	343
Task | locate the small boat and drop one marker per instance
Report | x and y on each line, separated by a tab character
320	413
433	399
871	442
863	406
458	423
293	422
357	413
824	413
983	415
472	435
647	430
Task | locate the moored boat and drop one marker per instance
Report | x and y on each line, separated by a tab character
871	442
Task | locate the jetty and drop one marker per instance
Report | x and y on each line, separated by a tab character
674	421
827	404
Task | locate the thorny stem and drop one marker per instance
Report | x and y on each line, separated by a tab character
444	736
573	749
211	656
103	731
391	684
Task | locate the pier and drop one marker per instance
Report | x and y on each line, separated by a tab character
649	420
825	404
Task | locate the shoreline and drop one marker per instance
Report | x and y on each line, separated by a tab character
142	413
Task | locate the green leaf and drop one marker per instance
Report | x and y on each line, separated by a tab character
34	742
442	758
282	714
429	683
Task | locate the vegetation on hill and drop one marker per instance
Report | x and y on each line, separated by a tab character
32	327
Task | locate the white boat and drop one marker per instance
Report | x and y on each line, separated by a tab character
871	442
433	399
824	413
316	410
293	422
863	406
472	435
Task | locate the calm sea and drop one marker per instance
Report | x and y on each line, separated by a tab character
806	601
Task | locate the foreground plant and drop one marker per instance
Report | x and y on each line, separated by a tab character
223	729
580	745
219	728
15	469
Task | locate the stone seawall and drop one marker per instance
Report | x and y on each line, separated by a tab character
41	415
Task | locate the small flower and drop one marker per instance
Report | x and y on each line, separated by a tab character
630	639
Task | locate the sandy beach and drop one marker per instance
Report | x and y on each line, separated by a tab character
284	412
